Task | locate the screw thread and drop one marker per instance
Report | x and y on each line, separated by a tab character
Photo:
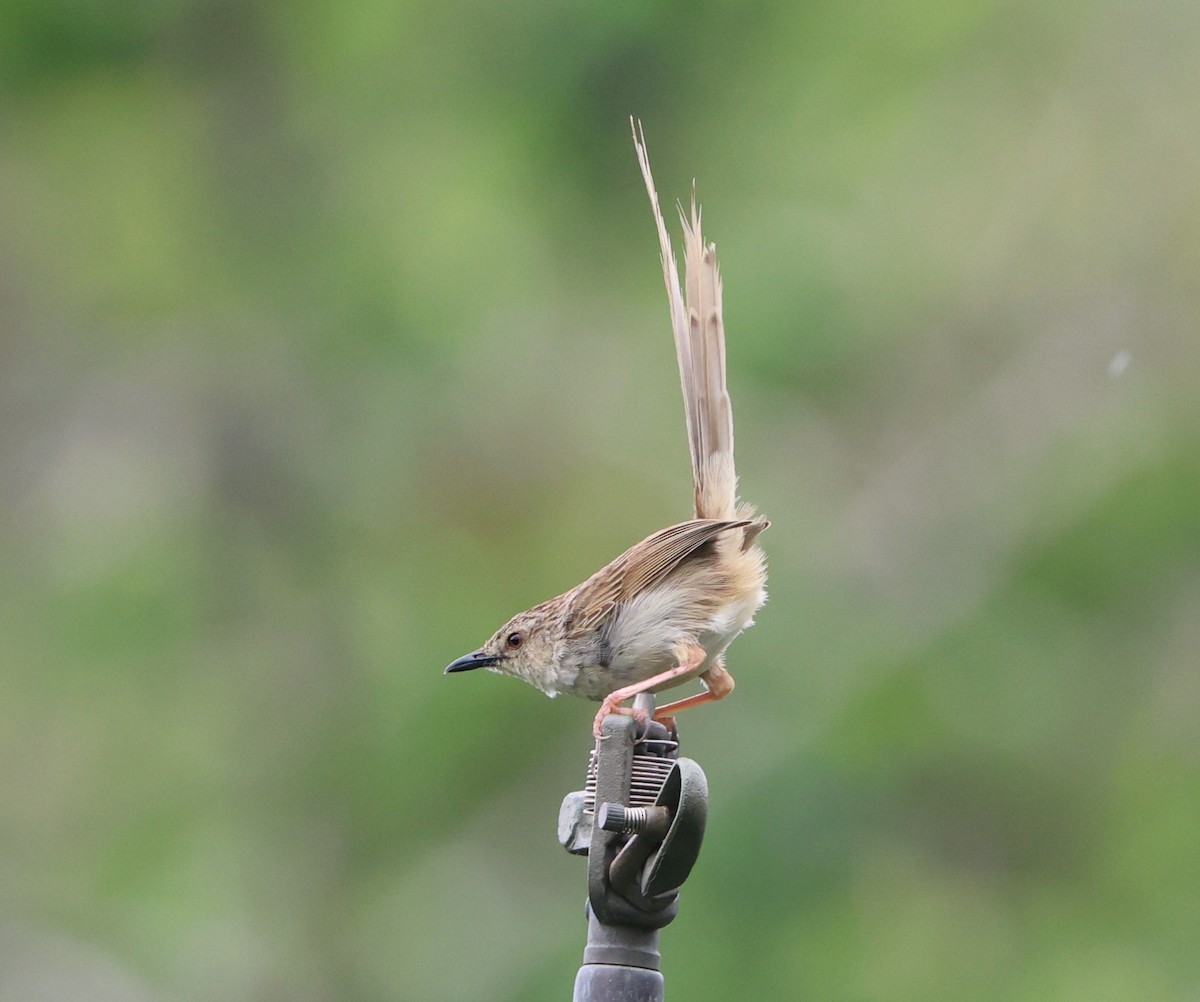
619	818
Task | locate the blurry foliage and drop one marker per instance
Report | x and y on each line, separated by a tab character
333	335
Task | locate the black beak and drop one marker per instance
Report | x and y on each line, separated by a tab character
476	659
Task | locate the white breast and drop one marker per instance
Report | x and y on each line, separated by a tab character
647	630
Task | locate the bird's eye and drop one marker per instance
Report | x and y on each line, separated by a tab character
513	640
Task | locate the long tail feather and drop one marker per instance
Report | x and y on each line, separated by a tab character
700	349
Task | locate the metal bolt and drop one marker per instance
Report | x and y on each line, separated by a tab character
632	820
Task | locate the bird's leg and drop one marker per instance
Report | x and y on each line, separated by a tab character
691	657
718	684
642	718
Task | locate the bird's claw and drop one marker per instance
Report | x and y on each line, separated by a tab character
626	711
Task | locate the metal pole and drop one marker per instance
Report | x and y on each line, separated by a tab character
641	829
620	964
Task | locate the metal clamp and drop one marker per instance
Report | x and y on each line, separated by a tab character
641	826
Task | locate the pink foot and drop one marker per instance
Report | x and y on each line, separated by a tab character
615	706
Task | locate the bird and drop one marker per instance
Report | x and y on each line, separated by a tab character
664	612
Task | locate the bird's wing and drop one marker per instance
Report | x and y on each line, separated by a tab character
643	566
656	556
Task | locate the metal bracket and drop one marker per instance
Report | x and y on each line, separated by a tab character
647	820
639	852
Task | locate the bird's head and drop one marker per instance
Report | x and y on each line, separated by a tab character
524	647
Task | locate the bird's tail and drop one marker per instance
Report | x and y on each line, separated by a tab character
700	347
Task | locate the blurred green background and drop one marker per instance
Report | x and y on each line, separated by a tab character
334	334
